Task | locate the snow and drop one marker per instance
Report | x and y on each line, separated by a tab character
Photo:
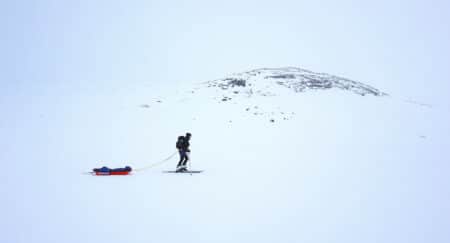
340	168
266	81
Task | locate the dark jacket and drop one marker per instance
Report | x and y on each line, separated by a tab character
186	145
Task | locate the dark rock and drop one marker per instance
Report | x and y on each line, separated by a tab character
237	82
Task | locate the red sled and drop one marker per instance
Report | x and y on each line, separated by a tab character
105	171
112	173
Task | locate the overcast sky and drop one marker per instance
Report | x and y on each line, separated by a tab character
401	47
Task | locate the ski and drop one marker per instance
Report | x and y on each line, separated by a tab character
183	172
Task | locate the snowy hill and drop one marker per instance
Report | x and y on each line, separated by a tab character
281	164
272	92
264	82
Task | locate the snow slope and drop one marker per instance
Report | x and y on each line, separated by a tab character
266	82
322	166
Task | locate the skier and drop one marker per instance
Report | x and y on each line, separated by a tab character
184	151
180	146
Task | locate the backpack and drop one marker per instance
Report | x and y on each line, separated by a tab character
180	142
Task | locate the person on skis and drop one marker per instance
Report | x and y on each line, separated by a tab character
184	151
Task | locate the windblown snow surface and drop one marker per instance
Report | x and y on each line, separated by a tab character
288	156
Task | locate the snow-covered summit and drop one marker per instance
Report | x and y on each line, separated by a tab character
270	82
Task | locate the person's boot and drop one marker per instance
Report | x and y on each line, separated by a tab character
179	168
184	166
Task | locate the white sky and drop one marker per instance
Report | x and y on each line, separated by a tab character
398	46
